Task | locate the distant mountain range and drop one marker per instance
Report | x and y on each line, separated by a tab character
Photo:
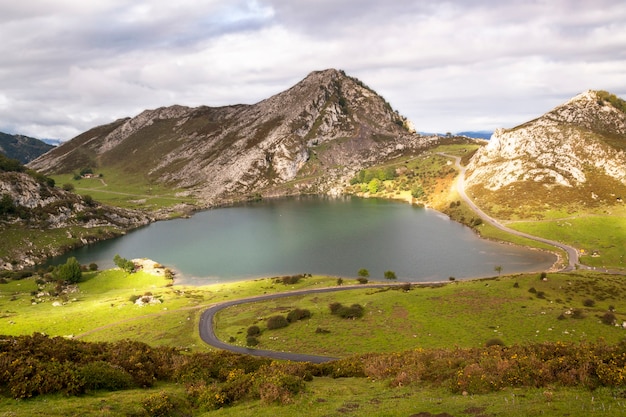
22	148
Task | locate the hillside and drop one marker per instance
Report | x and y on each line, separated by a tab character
313	136
22	148
31	206
572	158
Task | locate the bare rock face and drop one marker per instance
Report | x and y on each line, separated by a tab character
575	142
318	132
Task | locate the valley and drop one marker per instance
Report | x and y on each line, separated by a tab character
510	344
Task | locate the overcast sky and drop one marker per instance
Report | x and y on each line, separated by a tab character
69	65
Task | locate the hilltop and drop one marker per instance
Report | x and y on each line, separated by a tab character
572	157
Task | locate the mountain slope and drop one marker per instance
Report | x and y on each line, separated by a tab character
30	205
22	148
320	131
573	155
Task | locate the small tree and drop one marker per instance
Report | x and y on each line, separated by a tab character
68	187
123	263
70	271
498	269
390	275
364	273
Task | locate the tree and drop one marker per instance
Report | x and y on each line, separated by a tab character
125	264
374	185
68	187
364	273
498	269
390	275
70	271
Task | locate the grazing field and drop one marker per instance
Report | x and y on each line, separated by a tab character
558	310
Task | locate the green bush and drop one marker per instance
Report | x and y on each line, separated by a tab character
253	331
298	314
352	312
101	375
277	322
252	341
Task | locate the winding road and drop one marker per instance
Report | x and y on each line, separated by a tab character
207	319
572	253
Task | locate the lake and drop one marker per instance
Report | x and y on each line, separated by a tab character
317	235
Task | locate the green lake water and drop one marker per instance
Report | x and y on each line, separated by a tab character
317	235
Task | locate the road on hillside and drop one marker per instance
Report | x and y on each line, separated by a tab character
207	320
572	253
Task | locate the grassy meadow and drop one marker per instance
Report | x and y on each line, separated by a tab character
517	310
121	189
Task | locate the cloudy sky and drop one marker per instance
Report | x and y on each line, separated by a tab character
69	65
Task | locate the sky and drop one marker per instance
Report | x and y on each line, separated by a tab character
69	65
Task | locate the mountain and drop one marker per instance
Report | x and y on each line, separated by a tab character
574	155
308	138
22	148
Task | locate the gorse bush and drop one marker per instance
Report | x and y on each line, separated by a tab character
38	365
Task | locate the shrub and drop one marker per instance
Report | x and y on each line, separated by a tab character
291	279
158	405
334	307
362	280
589	302
609	318
298	314
577	313
364	273
253	331
252	341
494	342
277	322
102	375
93	266
352	312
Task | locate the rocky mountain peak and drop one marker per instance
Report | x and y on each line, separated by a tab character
578	145
324	127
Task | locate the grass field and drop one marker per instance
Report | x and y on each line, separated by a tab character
602	237
347	396
117	188
458	314
515	309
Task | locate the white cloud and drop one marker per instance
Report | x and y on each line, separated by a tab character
447	65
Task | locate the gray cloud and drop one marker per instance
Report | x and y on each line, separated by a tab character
447	65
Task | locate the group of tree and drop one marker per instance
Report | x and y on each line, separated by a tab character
365	176
364	274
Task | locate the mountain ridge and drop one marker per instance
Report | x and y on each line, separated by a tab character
326	127
22	148
574	153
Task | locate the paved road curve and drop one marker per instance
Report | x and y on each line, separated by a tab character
572	253
207	332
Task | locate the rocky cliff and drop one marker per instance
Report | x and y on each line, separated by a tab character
30	203
311	136
572	154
